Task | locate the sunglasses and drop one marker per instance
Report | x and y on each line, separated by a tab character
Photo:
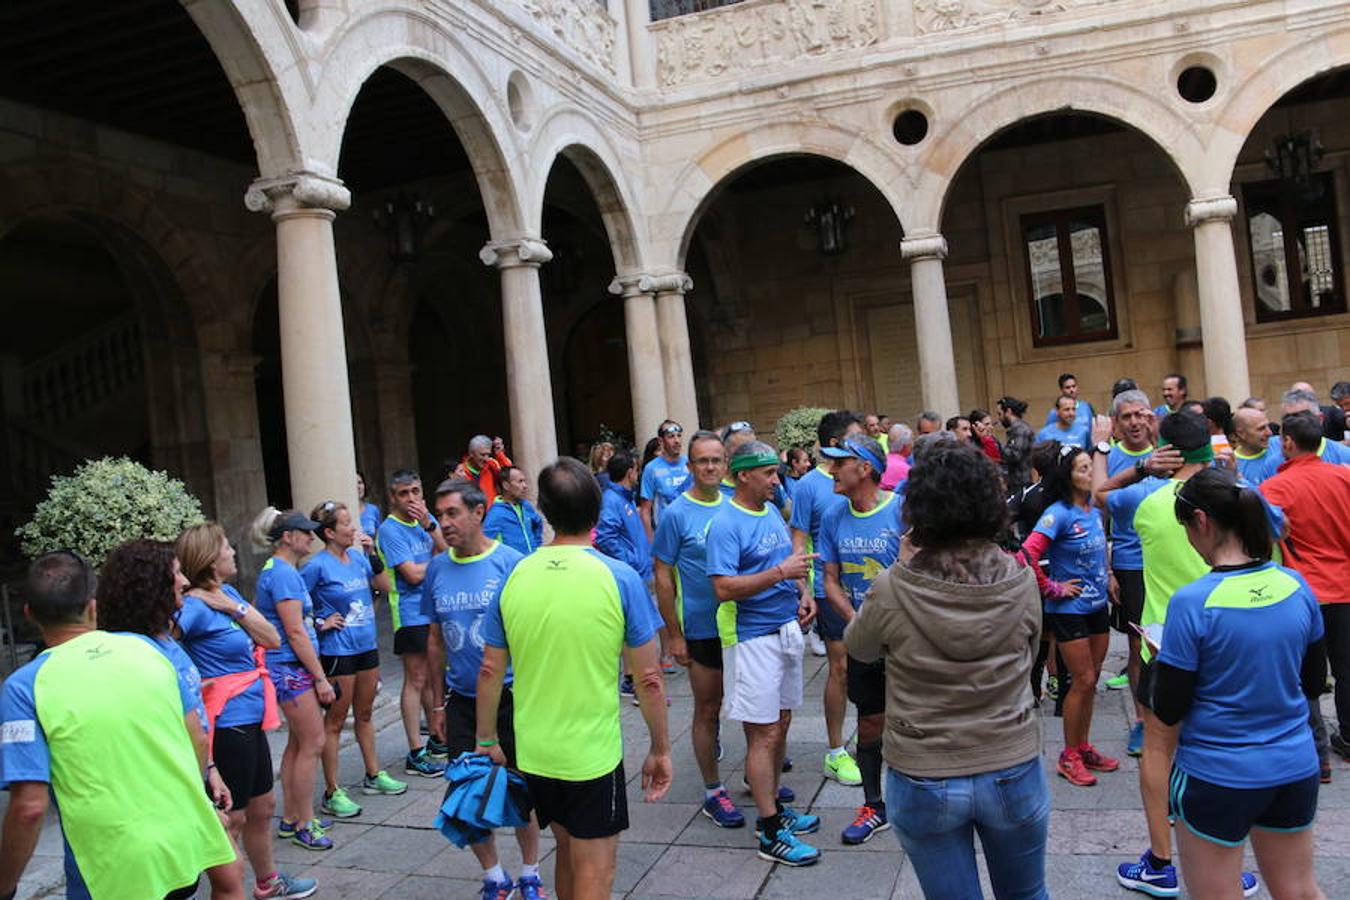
671	429
739	426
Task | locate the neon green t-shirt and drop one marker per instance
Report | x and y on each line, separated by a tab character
1170	562
564	615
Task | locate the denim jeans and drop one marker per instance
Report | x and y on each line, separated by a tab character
936	820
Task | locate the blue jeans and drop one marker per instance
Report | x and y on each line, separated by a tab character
936	820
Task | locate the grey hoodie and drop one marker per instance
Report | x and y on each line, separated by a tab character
959	630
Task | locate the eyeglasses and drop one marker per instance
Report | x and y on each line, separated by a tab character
707	461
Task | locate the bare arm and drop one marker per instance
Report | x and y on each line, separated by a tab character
23	826
740	587
254	623
645	511
799	540
645	664
436	676
664	576
491	677
292	621
862	635
382	582
834	593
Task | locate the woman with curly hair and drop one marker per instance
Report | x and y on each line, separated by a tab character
1070	533
298	676
954	612
225	637
601	451
140	588
339	578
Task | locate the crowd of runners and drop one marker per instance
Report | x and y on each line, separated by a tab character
955	583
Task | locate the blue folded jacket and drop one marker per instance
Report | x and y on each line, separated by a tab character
480	798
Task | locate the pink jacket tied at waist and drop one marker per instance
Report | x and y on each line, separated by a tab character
220	690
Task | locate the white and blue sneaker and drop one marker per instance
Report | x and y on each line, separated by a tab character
784	847
1250	887
799	822
1141	876
498	890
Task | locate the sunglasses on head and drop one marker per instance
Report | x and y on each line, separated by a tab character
671	429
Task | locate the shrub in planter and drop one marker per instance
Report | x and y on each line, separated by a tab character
797	427
104	503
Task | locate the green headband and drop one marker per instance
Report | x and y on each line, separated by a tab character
1201	454
753	461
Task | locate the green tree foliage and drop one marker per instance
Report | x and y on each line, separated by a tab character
797	427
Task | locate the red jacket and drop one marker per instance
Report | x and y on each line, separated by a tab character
488	478
1315	497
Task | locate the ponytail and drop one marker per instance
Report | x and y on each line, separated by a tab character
260	533
1253	527
1232	506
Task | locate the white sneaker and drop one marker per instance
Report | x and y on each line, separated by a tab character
816	643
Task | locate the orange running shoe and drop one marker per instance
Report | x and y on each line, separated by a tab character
1071	767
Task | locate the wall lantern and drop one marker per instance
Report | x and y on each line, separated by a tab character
402	219
830	219
1294	158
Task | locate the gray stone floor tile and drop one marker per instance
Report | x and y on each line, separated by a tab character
690	872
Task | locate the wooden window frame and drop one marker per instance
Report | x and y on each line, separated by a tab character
1096	214
1293	284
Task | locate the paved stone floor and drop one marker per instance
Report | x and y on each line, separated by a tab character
393	851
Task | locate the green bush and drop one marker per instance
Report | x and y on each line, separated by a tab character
797	427
107	502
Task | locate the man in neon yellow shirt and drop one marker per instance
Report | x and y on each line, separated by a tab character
561	621
137	822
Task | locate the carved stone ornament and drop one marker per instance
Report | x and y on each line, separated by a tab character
925	246
672	283
1206	209
949	15
518	252
584	26
308	190
743	38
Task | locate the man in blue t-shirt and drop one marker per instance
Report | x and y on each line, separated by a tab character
1083	411
460	584
689	608
813	497
664	477
1256	455
406	541
513	520
760	584
858	541
1066	427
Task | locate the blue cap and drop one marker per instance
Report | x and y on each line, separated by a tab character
865	448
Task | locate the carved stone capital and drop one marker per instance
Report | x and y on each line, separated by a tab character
628	285
923	246
306	190
1205	209
668	283
523	251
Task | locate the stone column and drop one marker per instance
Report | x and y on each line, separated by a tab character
534	433
646	378
313	350
677	361
932	325
641	54
1221	324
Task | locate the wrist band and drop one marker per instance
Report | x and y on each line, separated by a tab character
483	743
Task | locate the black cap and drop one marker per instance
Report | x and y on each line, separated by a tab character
292	521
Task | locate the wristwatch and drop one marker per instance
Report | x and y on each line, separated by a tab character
1103	447
1141	469
240	611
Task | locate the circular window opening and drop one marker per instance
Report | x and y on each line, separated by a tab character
1197	84
910	127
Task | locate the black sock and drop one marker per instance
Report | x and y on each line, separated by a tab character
769	826
1156	862
869	764
777	806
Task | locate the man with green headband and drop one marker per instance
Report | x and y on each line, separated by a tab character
760	585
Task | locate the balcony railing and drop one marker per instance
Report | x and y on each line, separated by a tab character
669	9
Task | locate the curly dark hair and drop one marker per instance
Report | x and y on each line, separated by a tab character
135	588
955	494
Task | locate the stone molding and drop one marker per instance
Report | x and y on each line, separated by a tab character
931	16
511	254
745	38
307	190
583	26
926	246
672	283
1206	209
629	285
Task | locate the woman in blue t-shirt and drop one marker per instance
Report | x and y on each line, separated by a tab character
370	517
1242	655
301	685
1071	535
339	578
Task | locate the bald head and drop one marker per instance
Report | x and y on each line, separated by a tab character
1302	386
1251	429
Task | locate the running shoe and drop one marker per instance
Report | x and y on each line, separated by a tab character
498	890
436	750
722	811
287	829
787	764
1340	745
382	783
843	769
866	823
531	888
785	793
285	887
668	665
1135	745
1095	761
816	643
312	837
1250	886
1120	682
1071	767
419	763
340	806
626	686
1141	876
799	822
785	848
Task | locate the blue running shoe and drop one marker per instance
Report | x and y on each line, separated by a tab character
1250	887
287	829
785	793
285	887
419	762
722	811
869	820
497	890
311	837
785	848
1141	876
1135	745
530	888
799	822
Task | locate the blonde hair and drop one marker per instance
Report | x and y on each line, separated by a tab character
260	532
598	450
197	550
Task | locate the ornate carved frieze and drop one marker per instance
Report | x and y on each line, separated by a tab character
950	15
743	38
582	25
